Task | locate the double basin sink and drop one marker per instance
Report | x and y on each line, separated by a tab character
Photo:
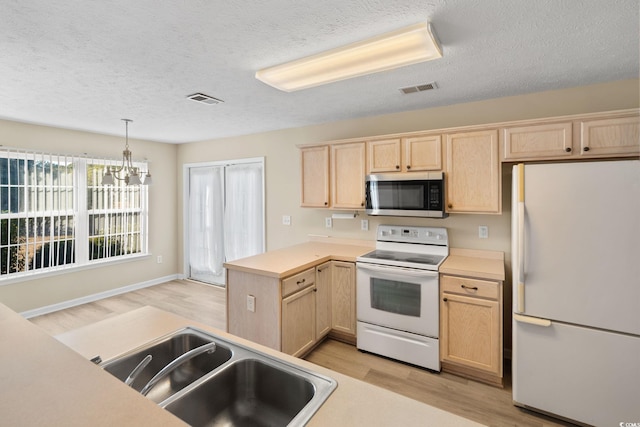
221	384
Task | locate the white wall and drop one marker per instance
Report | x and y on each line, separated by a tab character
49	290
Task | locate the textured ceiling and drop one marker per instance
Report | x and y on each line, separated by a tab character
85	64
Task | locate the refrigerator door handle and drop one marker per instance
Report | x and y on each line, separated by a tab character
520	296
532	320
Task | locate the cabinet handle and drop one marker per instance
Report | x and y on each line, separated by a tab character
326	203
315	289
585	149
408	167
473	288
444	299
362	204
568	149
397	166
300	282
450	206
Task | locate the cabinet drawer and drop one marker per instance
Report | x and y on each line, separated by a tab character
299	281
470	287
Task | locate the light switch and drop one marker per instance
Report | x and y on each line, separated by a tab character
364	224
328	222
286	219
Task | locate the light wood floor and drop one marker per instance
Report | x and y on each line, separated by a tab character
479	402
186	298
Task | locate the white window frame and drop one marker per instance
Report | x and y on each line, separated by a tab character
80	213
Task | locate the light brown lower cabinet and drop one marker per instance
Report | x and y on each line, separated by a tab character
293	314
471	328
323	300
343	301
299	322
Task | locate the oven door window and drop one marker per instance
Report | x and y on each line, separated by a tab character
396	297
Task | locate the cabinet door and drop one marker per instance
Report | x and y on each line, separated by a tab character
610	137
538	141
348	173
423	153
473	172
343	297
315	177
384	155
470	332
299	322
323	300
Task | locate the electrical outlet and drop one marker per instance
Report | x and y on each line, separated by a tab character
364	224
483	232
251	303
159	259
328	222
286	219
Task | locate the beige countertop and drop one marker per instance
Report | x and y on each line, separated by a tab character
294	259
474	263
44	382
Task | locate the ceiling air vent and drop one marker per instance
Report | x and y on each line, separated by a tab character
420	88
205	99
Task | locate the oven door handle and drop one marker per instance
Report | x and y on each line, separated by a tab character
402	270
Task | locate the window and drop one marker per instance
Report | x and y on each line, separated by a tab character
54	213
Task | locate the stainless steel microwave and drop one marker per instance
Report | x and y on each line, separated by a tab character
419	194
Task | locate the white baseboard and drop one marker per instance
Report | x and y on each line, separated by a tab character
95	297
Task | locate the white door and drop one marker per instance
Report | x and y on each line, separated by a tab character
224	214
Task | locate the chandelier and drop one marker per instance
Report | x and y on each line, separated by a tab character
126	171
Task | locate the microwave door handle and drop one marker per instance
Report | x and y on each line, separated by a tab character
403	270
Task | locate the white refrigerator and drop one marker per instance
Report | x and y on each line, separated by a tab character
576	290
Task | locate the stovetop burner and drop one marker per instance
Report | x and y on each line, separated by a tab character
412	247
402	257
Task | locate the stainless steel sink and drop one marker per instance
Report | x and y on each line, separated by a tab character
246	393
163	351
233	386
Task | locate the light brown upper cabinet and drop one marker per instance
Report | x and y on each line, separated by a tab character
384	155
610	137
537	141
314	164
423	153
605	135
473	182
416	153
347	175
333	173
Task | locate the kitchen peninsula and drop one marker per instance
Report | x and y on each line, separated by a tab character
46	383
290	299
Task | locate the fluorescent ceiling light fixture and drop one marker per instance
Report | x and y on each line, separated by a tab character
406	46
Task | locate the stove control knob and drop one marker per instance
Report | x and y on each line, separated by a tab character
439	237
429	234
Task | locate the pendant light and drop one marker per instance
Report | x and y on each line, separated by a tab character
126	171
